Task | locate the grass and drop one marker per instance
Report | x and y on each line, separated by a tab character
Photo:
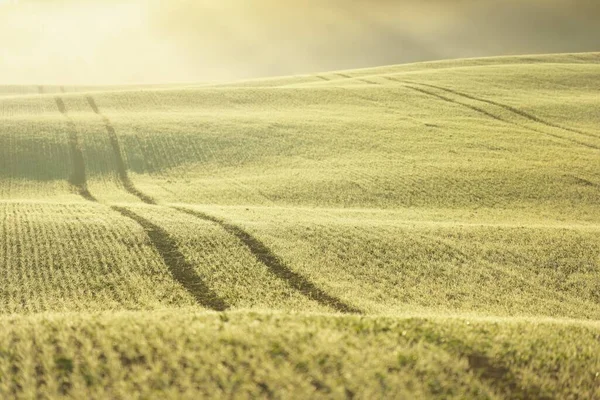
184	353
424	230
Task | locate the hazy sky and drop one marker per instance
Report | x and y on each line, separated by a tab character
160	41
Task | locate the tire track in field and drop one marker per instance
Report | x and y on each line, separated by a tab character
499	377
512	109
275	265
368	81
180	268
78	178
487	113
507	107
161	238
121	168
449	100
583	181
164	244
492	371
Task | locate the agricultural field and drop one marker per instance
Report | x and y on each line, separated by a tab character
426	230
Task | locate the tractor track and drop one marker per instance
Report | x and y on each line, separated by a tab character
167	246
276	265
487	113
492	371
121	168
180	268
449	100
512	109
162	242
367	81
78	178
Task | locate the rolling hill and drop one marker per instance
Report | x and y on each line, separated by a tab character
426	230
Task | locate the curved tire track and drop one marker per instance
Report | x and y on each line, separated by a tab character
367	81
168	248
183	272
449	100
164	244
512	109
487	113
276	266
494	372
78	177
121	168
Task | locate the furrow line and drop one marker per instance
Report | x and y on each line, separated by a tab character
78	177
368	81
176	261
165	245
180	268
493	371
490	115
512	109
122	172
275	265
583	181
449	100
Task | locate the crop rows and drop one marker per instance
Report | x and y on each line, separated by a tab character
169	252
349	179
411	266
191	354
183	242
183	272
78	258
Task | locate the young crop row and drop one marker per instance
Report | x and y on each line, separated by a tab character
188	354
78	258
61	257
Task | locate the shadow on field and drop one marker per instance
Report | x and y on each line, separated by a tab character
182	271
499	376
449	100
491	370
513	110
165	245
276	266
78	176
118	154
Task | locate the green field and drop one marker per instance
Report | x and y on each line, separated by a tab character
422	230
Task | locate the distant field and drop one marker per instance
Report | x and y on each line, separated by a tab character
422	230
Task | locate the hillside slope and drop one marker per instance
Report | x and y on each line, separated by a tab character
429	229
